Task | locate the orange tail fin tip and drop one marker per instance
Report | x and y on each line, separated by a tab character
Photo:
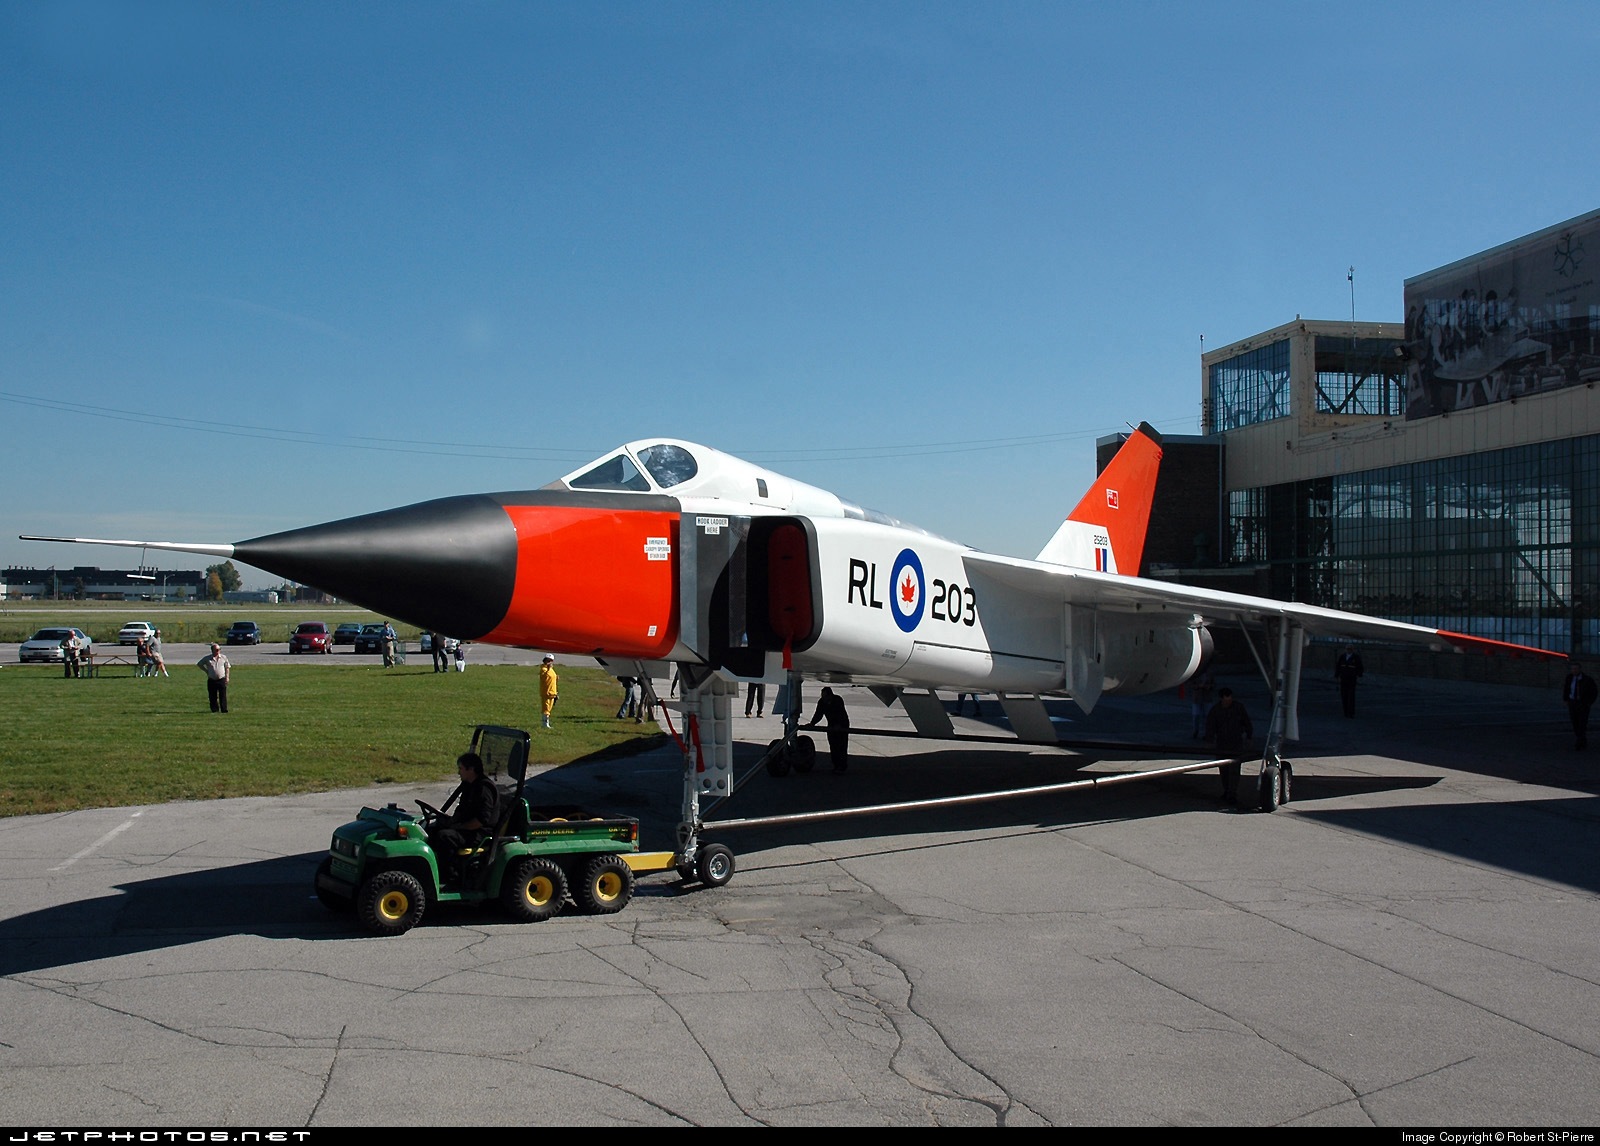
1106	531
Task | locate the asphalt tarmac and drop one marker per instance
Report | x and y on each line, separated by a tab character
1412	942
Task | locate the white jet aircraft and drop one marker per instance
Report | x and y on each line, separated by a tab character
665	551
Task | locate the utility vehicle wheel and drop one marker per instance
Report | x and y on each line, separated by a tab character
714	865
805	754
777	759
533	890
606	887
1271	793
391	902
329	899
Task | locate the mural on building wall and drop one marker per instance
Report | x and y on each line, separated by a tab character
1521	319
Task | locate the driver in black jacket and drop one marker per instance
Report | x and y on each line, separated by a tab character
475	814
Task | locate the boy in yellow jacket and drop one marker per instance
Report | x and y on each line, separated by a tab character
547	687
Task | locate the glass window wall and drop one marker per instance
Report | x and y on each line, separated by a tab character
1503	545
1249	388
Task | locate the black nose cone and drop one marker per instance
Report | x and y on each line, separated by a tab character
448	565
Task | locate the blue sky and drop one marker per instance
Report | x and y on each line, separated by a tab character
271	264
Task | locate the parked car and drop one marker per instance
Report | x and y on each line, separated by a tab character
311	637
45	645
244	633
134	632
346	633
370	639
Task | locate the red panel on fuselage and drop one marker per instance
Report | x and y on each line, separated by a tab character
593	582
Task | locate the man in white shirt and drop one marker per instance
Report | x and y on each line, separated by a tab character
217	670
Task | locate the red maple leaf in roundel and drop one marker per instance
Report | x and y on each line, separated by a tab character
908	590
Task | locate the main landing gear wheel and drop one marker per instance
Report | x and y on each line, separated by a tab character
606	888
533	890
1271	792
391	902
801	756
714	865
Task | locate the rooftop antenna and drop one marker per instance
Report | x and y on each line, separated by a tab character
1354	379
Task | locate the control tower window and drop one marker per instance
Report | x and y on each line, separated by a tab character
669	465
616	472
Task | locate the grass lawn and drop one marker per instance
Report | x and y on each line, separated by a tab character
118	740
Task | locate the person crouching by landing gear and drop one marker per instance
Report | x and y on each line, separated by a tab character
830	707
1228	728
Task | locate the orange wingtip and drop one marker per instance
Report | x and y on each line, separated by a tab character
1484	645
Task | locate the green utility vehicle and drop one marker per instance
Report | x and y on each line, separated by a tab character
382	865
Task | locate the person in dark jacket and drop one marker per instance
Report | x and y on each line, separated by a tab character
830	707
476	812
1579	691
1347	670
1229	730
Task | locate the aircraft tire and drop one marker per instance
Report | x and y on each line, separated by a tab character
391	902
777	759
714	865
1285	781
606	888
533	890
1270	791
805	754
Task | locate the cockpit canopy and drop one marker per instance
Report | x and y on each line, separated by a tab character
694	472
690	471
667	463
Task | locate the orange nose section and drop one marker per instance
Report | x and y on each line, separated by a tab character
593	581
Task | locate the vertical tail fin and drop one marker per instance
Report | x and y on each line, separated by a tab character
1107	530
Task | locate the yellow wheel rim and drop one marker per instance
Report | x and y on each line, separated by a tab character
394	905
539	890
608	886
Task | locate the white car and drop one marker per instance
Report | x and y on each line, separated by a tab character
45	645
134	632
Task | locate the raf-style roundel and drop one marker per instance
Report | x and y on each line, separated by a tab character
905	590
